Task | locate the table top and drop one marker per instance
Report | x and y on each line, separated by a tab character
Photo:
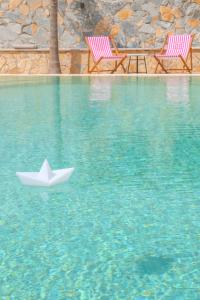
137	54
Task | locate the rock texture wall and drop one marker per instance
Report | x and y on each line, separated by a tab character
134	23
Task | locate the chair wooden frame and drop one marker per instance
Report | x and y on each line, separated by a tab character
186	66
95	67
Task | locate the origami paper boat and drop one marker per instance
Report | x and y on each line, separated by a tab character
45	177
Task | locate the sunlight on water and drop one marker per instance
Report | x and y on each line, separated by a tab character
126	225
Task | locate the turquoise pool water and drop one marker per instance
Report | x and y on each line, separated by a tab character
127	224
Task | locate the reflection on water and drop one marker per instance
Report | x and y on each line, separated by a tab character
100	89
57	120
177	89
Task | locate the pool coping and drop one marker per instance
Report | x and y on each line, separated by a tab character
100	75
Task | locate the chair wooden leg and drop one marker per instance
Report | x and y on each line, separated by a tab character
191	61
137	64
128	67
145	64
159	63
124	69
156	67
88	69
95	66
185	64
118	65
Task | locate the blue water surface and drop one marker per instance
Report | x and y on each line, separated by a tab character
127	224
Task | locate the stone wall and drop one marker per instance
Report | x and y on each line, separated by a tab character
133	23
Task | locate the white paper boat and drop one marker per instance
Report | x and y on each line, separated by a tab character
46	177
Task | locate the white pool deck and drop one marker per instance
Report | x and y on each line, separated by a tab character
101	75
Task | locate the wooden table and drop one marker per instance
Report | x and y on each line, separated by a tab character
137	58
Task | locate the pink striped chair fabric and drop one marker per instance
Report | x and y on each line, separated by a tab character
101	48
177	45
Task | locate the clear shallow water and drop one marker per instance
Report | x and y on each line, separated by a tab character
127	224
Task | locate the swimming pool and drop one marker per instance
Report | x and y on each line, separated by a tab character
127	224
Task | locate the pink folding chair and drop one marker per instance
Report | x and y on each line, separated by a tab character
100	50
176	47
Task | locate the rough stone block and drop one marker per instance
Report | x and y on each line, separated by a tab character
35	4
196	1
13	4
24	9
146	28
124	13
103	26
166	13
115	29
193	22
